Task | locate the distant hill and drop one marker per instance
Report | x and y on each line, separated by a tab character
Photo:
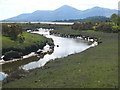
88	19
62	13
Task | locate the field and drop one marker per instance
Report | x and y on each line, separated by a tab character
96	67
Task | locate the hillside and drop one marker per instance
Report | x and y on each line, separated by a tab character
62	13
88	19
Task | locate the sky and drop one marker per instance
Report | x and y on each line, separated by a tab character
11	8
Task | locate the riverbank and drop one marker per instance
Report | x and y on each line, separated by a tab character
32	43
94	68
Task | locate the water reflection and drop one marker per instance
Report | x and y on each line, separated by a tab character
66	47
2	75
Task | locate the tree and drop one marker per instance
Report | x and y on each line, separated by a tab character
118	20
114	18
11	30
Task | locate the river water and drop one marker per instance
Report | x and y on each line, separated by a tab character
63	47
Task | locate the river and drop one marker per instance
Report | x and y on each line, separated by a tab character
66	46
63	47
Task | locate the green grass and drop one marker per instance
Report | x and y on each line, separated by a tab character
94	68
66	30
112	23
30	40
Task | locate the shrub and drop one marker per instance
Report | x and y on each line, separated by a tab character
21	38
11	55
83	26
11	30
115	29
104	27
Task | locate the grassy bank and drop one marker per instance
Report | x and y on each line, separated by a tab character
94	68
31	43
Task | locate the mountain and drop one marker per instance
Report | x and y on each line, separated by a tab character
66	8
62	13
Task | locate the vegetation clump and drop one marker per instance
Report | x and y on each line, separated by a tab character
11	55
11	30
106	26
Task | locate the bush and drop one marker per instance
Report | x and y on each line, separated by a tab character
11	30
107	28
21	38
115	29
11	55
83	26
104	27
